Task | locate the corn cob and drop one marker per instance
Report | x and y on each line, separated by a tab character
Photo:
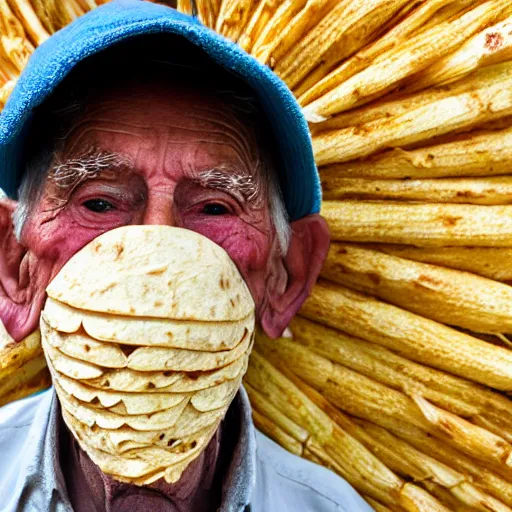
492	45
418	53
397	35
360	395
479	154
431	291
452	393
419	224
410	335
346	29
495	190
269	428
457	113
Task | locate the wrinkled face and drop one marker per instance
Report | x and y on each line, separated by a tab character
180	159
148	154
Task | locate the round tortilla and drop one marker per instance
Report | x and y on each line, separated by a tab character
69	366
133	381
102	440
109	464
129	380
191	335
80	346
61	317
109	420
116	465
192	421
149	359
124	439
154	271
132	403
176	359
153	332
216	397
140	467
203	380
171	474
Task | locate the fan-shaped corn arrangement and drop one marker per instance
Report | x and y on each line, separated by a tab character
400	366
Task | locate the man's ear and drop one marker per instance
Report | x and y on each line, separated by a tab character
11	251
293	277
15	303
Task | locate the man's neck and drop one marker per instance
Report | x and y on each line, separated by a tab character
199	488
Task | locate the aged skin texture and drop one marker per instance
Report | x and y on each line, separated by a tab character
181	159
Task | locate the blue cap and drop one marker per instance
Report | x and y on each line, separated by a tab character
122	20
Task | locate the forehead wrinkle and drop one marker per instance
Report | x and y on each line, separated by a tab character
230	132
77	138
227	123
100	123
239	151
237	144
233	124
232	127
239	140
228	119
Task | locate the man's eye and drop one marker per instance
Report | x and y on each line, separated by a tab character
98	205
215	209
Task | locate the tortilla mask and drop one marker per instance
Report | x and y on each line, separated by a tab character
155	272
147	333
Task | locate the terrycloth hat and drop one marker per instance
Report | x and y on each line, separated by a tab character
123	20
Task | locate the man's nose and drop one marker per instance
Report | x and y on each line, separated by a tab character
160	211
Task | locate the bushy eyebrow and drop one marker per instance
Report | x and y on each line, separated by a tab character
247	185
69	174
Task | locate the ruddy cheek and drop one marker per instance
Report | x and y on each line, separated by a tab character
54	245
247	246
248	252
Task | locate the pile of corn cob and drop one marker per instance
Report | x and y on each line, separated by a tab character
397	372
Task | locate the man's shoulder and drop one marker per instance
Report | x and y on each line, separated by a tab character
286	482
20	414
21	428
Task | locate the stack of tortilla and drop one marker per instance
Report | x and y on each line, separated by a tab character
147	332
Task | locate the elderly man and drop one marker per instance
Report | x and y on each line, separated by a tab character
136	114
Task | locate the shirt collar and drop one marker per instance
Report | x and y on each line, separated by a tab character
44	469
51	455
241	477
